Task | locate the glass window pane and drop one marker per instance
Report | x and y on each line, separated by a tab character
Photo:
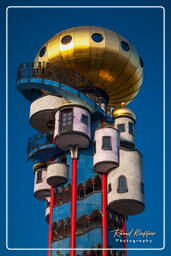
66	120
131	128
121	127
84	119
142	188
106	143
39	177
122	185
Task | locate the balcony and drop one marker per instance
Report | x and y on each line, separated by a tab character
41	148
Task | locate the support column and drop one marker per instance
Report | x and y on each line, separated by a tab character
74	155
104	212
50	219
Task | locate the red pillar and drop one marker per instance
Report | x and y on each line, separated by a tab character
73	207
124	230
50	219
104	212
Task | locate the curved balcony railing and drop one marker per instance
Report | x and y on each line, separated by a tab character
50	71
38	143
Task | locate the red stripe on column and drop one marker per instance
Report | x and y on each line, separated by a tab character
73	207
50	220
104	212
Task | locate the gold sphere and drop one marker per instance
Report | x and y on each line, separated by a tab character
102	56
118	112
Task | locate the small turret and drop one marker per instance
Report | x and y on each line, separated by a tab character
72	126
41	187
124	121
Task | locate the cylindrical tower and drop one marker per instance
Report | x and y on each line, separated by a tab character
57	173
85	72
126	185
42	112
124	121
41	187
106	149
72	126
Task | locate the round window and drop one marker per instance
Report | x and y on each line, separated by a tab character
125	46
141	62
66	39
97	37
42	51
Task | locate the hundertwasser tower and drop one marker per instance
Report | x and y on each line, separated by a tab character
87	168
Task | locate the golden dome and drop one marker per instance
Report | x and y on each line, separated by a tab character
118	112
103	57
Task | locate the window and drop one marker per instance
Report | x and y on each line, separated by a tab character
131	128
141	62
42	52
125	46
106	143
121	127
66	39
142	188
81	194
109	188
122	185
97	37
65	122
39	177
84	119
97	185
94	147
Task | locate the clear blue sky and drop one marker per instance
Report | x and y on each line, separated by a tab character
28	30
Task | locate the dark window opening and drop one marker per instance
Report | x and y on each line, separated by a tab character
61	229
121	127
84	119
42	52
89	187
51	124
66	120
125	46
97	37
39	177
142	188
54	231
109	188
97	185
89	190
122	185
66	39
106	143
63	159
82	194
94	147
131	128
141	62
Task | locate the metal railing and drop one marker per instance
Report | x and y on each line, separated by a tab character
50	71
36	141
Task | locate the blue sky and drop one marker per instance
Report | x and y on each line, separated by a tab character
28	30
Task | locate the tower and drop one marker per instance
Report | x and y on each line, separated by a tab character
87	169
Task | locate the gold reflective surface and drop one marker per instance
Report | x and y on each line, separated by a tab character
123	112
105	63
